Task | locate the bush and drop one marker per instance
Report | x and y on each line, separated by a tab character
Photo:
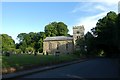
77	53
7	53
18	51
80	53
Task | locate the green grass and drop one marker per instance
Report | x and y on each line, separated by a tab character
18	61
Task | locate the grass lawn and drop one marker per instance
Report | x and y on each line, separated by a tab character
25	61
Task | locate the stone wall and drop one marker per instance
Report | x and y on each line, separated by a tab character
61	47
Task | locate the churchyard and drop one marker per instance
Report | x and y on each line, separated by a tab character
19	62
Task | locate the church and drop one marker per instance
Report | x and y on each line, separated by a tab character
63	44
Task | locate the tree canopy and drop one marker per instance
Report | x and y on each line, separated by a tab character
31	40
56	29
7	42
107	34
104	38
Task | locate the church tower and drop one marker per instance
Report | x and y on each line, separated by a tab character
78	32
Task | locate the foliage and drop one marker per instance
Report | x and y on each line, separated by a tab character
21	37
107	34
104	39
29	50
90	44
39	41
7	42
33	40
56	29
50	30
18	51
118	31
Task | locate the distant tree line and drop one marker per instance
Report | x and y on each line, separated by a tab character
32	42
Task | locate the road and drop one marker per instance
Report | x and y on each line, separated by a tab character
96	68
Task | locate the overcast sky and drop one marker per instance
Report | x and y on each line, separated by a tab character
25	17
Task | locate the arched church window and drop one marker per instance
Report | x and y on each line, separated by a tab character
58	45
50	46
67	45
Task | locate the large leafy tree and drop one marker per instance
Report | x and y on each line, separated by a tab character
118	31
25	40
21	36
22	41
56	29
106	32
105	37
90	44
8	43
61	29
50	30
22	46
33	40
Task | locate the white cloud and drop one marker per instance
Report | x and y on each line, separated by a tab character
99	7
90	22
98	10
92	6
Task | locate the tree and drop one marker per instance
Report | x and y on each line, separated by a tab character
39	41
62	29
56	29
23	46
26	40
33	40
21	36
50	30
7	42
80	42
87	45
106	32
90	44
118	31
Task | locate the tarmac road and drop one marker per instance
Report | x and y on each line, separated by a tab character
95	68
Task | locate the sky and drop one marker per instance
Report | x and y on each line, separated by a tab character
25	17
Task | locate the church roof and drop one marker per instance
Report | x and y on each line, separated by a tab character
58	38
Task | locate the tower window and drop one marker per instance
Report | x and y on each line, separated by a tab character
78	32
78	37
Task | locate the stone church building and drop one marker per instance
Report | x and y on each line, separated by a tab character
63	44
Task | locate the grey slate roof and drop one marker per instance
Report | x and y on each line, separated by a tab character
58	38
